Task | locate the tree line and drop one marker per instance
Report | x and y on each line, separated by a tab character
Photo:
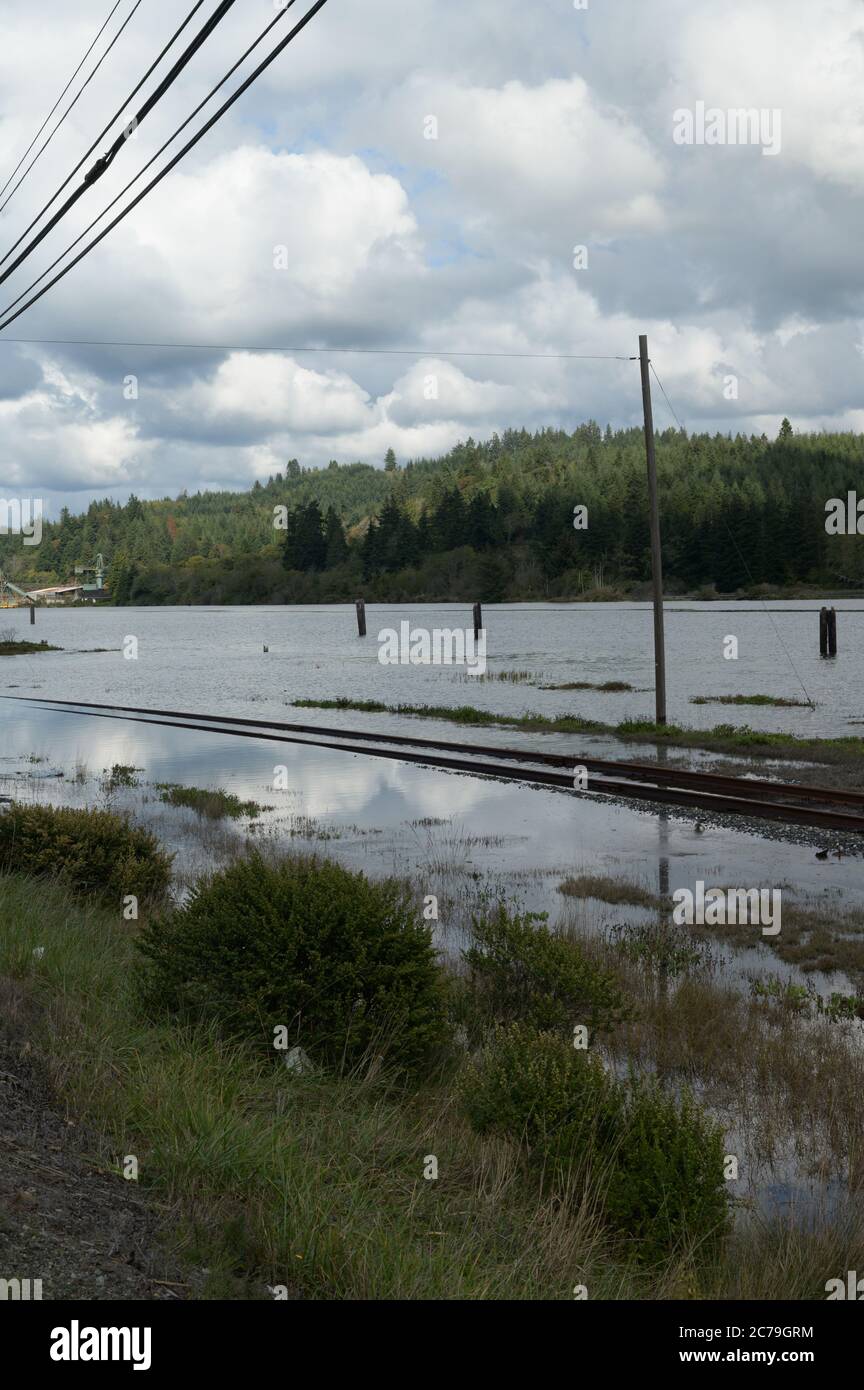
492	520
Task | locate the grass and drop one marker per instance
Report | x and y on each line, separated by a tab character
14	647
608	687
274	1178
813	940
118	775
789	1078
724	738
266	1178
777	701
513	677
609	890
214	804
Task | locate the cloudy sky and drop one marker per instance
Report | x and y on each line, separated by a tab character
420	176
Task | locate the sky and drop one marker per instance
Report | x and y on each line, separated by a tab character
487	178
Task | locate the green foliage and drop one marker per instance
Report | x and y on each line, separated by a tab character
663	950
95	852
520	971
343	963
656	1161
13	647
120	775
441	525
539	1089
305	546
666	1184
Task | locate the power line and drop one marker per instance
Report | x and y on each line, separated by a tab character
264	347
72	103
665	397
107	159
59	99
150	161
235	96
104	131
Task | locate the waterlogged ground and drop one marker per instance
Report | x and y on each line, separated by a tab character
212	660
465	839
442	829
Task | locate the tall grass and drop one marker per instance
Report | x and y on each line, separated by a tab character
266	1178
272	1178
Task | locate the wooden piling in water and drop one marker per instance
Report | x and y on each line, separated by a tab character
827	632
32	614
361	617
832	632
478	620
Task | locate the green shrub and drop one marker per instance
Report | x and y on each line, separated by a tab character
342	962
95	852
539	1089
666	1184
656	1162
520	971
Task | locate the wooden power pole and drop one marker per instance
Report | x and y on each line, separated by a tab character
656	557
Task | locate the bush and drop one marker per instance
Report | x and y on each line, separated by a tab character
520	971
95	852
666	1186
539	1089
342	962
657	1161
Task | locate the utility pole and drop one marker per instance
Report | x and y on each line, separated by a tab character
656	557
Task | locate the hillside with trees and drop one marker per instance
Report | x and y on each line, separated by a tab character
491	520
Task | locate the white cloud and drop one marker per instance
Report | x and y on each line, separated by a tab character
267	392
554	129
807	61
551	159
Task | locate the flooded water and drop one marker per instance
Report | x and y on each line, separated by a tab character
212	660
457	837
405	818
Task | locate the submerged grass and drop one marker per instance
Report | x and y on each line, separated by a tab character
722	738
607	687
778	701
13	647
215	804
609	890
788	1077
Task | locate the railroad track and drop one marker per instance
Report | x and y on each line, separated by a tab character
821	807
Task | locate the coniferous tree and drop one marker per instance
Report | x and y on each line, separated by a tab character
335	544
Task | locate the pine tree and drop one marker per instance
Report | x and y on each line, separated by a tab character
335	544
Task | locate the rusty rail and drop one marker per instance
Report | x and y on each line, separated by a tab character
709	791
